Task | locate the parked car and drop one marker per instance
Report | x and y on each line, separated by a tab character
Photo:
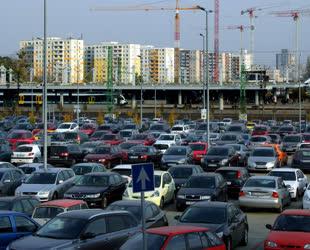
236	128
67	127
164	190
50	184
290	142
20	137
260	130
203	186
176	237
301	159
75	137
219	156
81	229
275	138
180	129
263	159
259	140
10	179
112	139
143	138
154	216
176	155
97	135
98	189
286	130
164	141
235	178
15	225
159	127
81	169
24	204
29	168
140	154
88	128
199	150
290	231
64	155
264	192
294	179
229	138
29	153
225	219
5	152
181	173
50	209
89	146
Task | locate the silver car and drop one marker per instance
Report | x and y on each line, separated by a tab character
264	192
263	159
47	184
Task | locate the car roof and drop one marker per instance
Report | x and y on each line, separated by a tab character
284	170
92	164
51	170
6	169
101	173
89	213
230	168
211	204
159	172
185	166
265	177
123	166
206	174
305	212
263	148
62	203
7	212
130	202
175	230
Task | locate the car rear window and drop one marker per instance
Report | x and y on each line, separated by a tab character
23	149
292	223
198	147
228	174
286	176
58	149
264	183
47	212
28	170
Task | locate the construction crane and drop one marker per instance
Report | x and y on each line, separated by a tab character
216	39
177	32
242	101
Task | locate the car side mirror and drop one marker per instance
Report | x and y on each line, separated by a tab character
177	217
60	181
87	236
268	226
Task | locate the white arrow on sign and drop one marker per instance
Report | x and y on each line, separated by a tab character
143	178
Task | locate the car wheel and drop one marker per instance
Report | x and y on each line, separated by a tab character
228	244
104	202
162	203
245	238
55	196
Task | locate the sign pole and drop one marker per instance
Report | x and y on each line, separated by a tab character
143	221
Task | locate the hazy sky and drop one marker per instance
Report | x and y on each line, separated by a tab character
23	19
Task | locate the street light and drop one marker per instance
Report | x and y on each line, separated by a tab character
207	70
45	88
204	74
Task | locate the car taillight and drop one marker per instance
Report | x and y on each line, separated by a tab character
30	154
79	138
238	174
64	154
241	193
144	157
275	195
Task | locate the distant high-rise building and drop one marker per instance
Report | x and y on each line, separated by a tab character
286	63
190	66
65	58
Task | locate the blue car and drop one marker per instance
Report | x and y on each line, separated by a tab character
14	225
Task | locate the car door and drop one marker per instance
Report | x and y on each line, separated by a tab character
240	221
24	226
7	233
302	180
233	227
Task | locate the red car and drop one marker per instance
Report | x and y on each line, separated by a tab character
106	155
145	139
112	139
306	137
199	149
51	127
291	230
177	237
19	137
88	128
260	130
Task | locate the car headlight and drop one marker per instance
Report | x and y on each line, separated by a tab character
125	194
220	234
270	164
271	244
205	197
43	193
155	194
307	246
93	196
102	160
181	196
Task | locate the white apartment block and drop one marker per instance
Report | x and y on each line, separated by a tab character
65	59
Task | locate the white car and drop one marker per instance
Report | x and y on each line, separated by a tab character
165	141
27	153
303	145
306	199
294	178
67	127
178	129
163	193
124	170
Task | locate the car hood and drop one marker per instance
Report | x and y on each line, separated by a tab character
261	158
35	242
196	191
215	157
173	157
289	238
36	187
213	227
86	189
179	181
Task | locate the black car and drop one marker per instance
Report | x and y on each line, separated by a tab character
176	155
98	189
22	204
219	156
290	142
5	152
225	219
181	173
235	178
10	179
154	216
301	159
81	229
203	186
65	155
140	154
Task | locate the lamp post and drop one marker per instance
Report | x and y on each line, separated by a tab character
207	70
45	88
204	74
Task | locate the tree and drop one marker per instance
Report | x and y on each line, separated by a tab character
307	73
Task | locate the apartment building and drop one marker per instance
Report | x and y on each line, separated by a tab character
190	66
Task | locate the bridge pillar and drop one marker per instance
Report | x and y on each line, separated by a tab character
256	98
133	101
180	97
221	101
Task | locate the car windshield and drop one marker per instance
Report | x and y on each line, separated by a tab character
23	149
28	170
200	182
228	138
87	126
260	129
57	137
126	172
139	149
98	134
15	135
89	145
263	183
130	126
157	127
204	215
229	174
166	138
263	152
175	151
125	133
102	150
236	147
286	129
70	136
177	129
135	210
127	145
62	228
157	179
42	178
180	173
258	139
235	129
138	137
293	223
93	180
292	139
218	151
107	137
64	126
197	147
82	169
154	242
5	205
47	212
286	176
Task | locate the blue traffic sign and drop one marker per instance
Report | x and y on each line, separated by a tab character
142	177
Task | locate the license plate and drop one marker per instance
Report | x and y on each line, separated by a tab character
55	157
212	165
189	202
260	166
133	157
19	155
228	182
